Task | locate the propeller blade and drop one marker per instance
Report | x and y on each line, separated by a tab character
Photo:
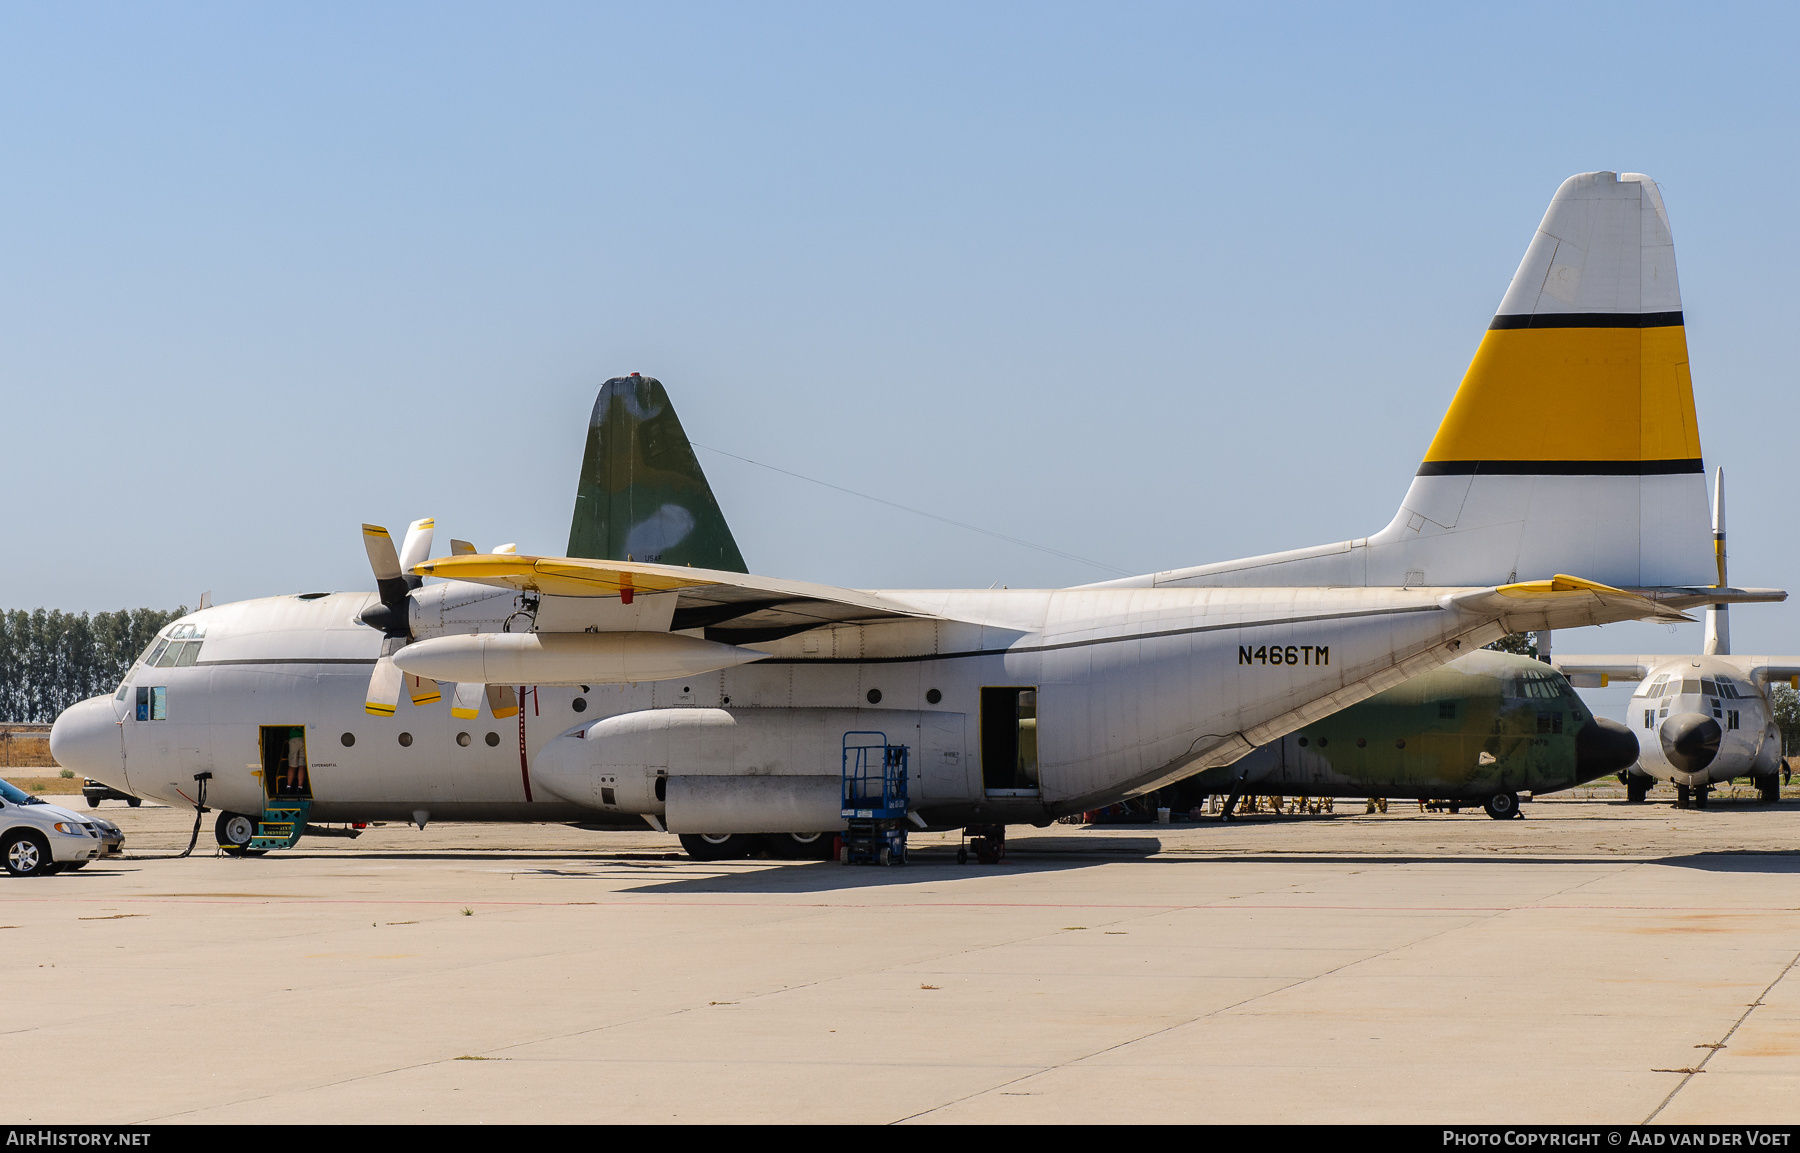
422	691
384	687
465	704
382	557
503	701
461	548
417	548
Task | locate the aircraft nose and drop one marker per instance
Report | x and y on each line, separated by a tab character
1690	741
1603	747
85	738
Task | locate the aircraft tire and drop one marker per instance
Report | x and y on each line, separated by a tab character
800	846
718	846
93	802
134	802
1771	788
234	831
1502	806
27	854
1636	790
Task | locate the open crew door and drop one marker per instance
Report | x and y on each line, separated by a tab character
1009	752
284	762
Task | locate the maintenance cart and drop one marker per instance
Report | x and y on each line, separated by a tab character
874	800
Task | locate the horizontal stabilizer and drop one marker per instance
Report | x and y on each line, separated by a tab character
1562	602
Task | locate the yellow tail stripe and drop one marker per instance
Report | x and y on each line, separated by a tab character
1573	394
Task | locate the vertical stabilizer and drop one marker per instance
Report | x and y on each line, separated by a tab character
1718	618
643	495
1571	445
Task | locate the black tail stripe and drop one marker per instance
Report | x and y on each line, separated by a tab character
1559	467
1589	320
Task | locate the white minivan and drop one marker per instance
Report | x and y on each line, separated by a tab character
37	838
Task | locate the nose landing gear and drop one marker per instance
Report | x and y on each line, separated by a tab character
234	832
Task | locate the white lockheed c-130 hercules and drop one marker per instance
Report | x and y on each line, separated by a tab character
1704	719
713	703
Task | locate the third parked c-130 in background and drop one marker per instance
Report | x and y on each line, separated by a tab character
1704	719
713	703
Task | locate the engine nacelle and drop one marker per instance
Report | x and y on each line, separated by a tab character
568	658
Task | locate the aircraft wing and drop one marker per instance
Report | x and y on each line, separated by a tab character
1768	670
1594	672
735	608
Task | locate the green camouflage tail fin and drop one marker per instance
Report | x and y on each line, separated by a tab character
642	495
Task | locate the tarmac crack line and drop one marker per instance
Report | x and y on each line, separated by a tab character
1711	1053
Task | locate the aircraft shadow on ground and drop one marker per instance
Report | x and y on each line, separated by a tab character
1737	861
930	866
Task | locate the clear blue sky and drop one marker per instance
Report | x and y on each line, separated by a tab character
1152	284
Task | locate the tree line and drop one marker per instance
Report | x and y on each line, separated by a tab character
50	659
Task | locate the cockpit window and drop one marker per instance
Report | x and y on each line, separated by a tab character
180	649
1690	686
1538	686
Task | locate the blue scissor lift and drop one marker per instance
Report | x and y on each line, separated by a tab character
874	798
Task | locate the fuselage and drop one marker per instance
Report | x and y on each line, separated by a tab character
1484	724
1702	720
1024	705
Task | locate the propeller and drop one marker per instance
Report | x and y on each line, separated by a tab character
395	583
391	614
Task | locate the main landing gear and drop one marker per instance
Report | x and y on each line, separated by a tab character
1502	806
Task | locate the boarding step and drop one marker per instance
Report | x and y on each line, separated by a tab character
281	825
